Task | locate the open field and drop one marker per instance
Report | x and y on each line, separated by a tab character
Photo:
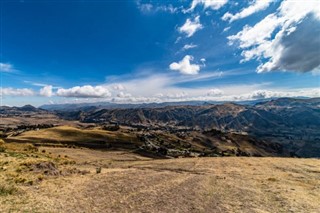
68	134
131	183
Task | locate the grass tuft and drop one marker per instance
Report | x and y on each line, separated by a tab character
6	190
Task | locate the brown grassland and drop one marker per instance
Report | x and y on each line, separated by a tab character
64	179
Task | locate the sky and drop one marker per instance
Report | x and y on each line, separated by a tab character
132	51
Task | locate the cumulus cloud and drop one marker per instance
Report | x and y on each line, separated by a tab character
189	46
191	27
46	91
6	67
86	91
119	87
185	67
215	92
16	92
285	40
213	4
124	95
255	7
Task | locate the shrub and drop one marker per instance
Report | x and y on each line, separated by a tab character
7	190
2	149
98	170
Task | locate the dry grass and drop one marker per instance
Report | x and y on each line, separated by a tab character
131	183
74	135
25	165
7	189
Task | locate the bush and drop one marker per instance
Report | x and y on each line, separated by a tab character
2	149
7	190
98	170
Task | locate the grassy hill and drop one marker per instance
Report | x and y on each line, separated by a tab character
67	135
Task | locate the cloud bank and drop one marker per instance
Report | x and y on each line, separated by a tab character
16	92
86	91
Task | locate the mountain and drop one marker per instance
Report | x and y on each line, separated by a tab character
27	109
110	105
261	117
295	123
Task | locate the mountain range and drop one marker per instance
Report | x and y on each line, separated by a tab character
293	123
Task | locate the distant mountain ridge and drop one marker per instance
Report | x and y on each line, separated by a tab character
295	123
110	105
292	122
5	110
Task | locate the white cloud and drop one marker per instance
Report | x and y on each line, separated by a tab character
176	95
263	94
167	8
145	8
285	40
150	8
185	67
213	4
255	7
191	27
124	95
189	46
215	92
226	29
16	92
164	88
46	91
119	87
6	67
86	91
224	94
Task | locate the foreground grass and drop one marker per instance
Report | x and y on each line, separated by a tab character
25	165
131	183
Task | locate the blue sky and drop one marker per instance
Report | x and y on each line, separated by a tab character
155	51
